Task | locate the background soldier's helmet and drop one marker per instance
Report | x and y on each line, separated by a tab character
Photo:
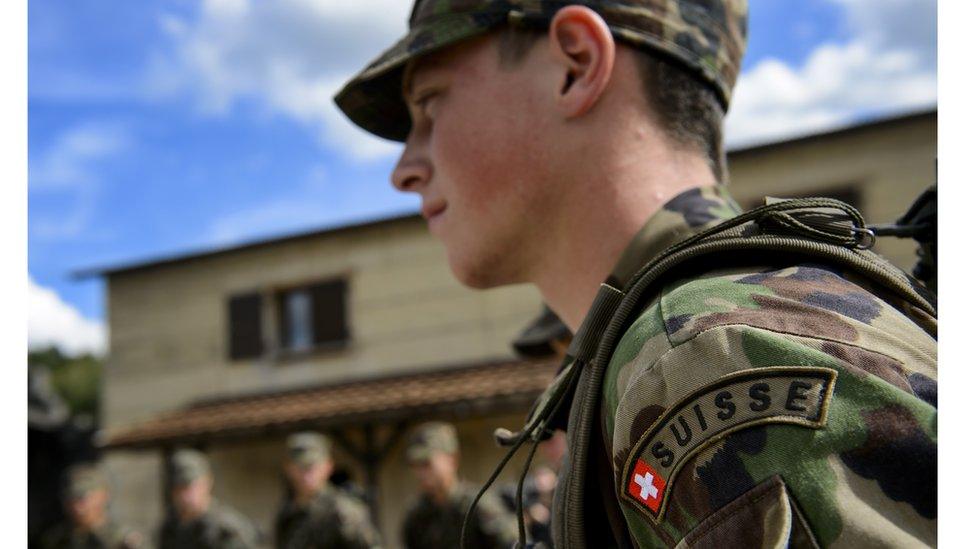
187	466
707	37
308	448
80	480
429	438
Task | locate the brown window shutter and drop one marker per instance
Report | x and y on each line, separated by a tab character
284	326
245	326
329	320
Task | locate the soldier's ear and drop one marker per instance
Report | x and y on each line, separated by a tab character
582	43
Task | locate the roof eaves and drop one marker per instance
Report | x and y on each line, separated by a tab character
108	270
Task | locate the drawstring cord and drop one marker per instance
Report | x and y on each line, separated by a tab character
526	433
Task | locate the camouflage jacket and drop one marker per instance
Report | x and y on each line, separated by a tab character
432	526
333	519
110	536
219	528
753	405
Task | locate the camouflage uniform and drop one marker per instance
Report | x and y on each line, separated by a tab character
109	536
769	402
81	481
431	525
219	527
333	519
748	405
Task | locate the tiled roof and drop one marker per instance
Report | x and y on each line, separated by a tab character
471	390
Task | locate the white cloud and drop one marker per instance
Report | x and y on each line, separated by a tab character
51	321
291	56
888	66
72	159
69	224
895	24
70	166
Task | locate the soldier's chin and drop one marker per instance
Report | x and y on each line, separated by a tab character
476	276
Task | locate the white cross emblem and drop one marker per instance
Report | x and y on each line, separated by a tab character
646	483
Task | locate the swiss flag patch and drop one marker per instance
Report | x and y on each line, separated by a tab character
646	486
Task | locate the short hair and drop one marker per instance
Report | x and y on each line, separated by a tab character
686	108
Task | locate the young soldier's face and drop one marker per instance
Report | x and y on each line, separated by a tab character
192	499
436	474
308	478
476	155
88	511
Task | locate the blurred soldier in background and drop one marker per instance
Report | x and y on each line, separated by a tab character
198	520
435	520
88	525
317	515
537	494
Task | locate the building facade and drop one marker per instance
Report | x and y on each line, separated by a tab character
362	331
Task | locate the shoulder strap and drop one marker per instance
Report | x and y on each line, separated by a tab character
823	229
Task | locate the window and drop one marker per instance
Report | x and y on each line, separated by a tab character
296	321
244	312
305	318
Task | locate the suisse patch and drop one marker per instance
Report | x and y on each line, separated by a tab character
796	395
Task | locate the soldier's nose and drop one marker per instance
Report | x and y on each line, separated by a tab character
413	170
410	174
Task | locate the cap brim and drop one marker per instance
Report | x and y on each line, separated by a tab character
418	455
373	99
308	459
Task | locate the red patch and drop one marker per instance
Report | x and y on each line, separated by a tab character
646	485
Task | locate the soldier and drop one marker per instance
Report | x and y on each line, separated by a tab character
435	519
753	400
317	515
89	526
198	520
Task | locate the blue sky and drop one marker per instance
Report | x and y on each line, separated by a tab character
160	127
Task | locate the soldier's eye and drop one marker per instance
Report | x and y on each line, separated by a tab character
423	100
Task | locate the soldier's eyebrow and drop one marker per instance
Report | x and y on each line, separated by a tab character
406	84
426	66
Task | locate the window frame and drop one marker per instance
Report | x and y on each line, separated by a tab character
272	324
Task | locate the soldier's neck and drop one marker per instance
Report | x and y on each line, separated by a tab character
190	515
442	496
92	526
613	200
304	498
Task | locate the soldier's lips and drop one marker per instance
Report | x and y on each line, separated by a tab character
433	212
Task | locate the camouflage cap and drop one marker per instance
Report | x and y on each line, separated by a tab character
308	448
707	37
188	465
82	479
429	438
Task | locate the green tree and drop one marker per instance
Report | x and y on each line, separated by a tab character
76	379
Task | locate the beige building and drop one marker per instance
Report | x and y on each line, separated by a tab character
361	331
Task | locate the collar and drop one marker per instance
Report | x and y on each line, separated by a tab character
456	495
681	217
323	492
